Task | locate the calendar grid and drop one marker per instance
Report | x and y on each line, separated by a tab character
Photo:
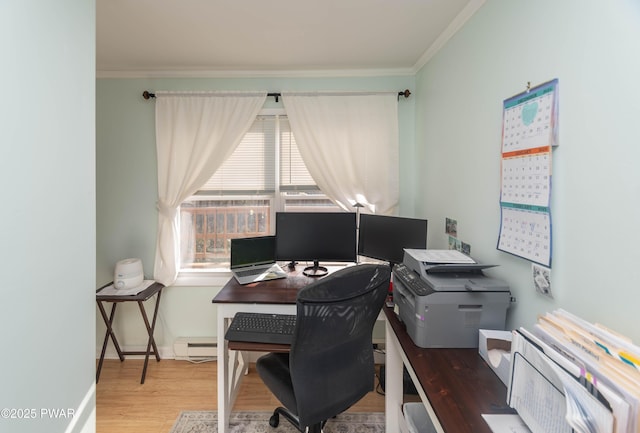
529	133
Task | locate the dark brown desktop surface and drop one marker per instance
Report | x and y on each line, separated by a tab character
279	291
459	384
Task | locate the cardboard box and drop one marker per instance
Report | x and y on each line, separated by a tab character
495	348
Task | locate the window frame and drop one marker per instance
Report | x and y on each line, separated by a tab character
207	276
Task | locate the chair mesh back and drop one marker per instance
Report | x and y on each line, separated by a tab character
331	359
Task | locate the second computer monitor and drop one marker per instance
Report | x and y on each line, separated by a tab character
385	237
317	237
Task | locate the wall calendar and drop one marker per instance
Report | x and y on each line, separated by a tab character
529	132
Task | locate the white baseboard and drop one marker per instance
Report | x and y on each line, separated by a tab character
84	417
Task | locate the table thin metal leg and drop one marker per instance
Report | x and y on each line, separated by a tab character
108	334
150	330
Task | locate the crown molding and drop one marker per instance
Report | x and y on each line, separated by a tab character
329	73
448	33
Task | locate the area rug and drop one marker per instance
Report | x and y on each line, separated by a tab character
258	422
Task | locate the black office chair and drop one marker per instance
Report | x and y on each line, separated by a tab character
330	365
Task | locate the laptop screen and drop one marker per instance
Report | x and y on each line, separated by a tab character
253	251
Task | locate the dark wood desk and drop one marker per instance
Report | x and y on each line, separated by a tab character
280	291
455	385
140	298
258	347
274	296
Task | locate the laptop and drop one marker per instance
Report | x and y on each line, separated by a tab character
254	259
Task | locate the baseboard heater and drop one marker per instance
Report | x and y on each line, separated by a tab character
195	348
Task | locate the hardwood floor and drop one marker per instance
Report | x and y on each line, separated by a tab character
123	405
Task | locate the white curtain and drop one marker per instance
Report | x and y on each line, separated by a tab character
195	133
349	144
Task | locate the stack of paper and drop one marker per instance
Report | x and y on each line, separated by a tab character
570	375
440	256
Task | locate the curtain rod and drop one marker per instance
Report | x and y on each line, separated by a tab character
148	95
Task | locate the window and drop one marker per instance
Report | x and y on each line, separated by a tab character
265	174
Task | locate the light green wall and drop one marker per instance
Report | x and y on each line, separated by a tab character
592	48
127	187
47	223
450	157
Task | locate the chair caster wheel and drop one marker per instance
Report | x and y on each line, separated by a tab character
274	420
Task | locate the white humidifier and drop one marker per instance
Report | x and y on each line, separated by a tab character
128	274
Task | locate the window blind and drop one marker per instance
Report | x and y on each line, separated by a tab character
251	167
293	172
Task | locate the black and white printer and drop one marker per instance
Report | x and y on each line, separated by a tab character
444	298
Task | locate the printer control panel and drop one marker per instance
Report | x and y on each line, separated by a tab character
411	280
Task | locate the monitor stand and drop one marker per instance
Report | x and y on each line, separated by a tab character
316	270
292	265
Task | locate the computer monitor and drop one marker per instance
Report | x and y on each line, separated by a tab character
316	236
385	237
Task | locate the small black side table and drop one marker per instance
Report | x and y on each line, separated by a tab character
108	320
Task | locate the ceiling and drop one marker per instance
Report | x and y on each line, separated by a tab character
216	37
